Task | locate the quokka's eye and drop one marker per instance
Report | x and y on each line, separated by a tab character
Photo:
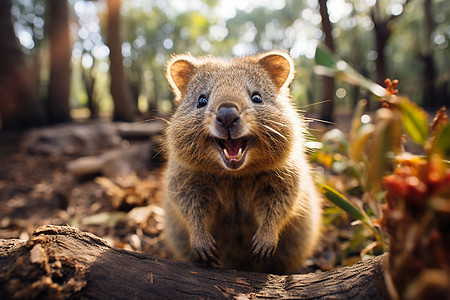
256	98
202	101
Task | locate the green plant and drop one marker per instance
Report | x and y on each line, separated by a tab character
373	150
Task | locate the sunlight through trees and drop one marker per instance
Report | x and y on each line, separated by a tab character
398	39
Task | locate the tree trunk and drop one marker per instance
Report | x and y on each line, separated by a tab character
63	262
120	88
153	100
57	106
383	31
429	71
136	84
19	106
382	34
89	84
327	108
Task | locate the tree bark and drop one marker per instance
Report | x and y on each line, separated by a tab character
383	31
19	107
153	100
136	84
87	76
429	72
63	262
57	105
327	108
120	87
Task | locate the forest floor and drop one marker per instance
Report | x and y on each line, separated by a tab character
37	189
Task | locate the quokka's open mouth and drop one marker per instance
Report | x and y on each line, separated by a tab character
233	151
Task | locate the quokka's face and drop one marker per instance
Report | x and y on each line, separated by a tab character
231	116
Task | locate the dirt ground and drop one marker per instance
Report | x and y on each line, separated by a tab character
36	189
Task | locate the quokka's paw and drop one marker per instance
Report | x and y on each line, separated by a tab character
264	245
204	248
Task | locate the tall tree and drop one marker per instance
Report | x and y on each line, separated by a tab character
327	109
135	81
88	78
120	87
383	30
19	107
57	105
429	70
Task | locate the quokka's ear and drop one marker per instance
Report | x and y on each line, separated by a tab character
280	67
180	71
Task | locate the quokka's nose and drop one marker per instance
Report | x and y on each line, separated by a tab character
227	116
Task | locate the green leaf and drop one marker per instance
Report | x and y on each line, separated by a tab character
359	141
414	120
342	202
381	144
358	111
443	141
329	64
324	58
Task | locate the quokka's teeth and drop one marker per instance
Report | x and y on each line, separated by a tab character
226	154
239	155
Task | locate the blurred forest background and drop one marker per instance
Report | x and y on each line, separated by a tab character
99	61
64	60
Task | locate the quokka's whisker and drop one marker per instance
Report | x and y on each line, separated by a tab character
315	103
309	119
274	131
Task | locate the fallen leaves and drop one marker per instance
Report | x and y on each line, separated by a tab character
130	190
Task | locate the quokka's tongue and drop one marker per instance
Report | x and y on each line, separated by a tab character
233	148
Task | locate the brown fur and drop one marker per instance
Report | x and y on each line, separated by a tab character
260	212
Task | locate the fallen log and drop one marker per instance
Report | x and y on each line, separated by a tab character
117	161
70	138
61	262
